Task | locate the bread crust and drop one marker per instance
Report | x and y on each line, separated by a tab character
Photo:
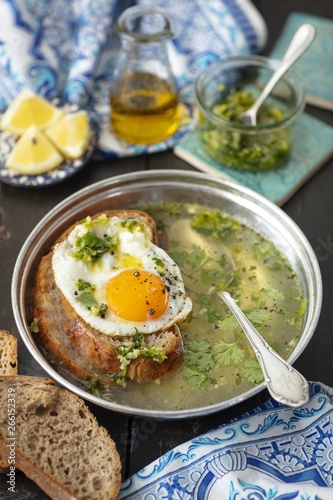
80	349
52	423
8	353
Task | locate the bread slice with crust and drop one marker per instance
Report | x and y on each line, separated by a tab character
8	353
82	350
58	442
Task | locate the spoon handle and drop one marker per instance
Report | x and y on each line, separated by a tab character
285	384
299	43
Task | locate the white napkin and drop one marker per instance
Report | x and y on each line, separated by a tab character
67	50
270	453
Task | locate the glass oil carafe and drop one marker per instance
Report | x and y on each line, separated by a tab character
144	100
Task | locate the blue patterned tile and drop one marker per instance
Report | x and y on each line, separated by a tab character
313	146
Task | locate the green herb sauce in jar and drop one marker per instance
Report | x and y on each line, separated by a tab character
247	149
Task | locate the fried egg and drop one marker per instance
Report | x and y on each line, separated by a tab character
117	280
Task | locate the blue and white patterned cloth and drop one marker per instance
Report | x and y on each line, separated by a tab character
66	49
270	453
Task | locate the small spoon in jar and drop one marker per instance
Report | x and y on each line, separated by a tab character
299	43
285	384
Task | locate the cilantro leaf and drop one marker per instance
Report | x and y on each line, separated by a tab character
179	257
213	314
273	292
193	377
196	257
264	247
258	316
231	282
198	355
228	324
252	372
227	354
211	276
87	299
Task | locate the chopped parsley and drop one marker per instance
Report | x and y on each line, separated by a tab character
159	264
131	225
214	223
95	387
90	223
84	286
91	247
127	351
239	148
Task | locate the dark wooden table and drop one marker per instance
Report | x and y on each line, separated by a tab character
141	440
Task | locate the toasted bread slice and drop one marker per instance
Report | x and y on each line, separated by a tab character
8	353
58	442
84	351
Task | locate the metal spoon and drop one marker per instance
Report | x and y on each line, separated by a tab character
299	43
285	384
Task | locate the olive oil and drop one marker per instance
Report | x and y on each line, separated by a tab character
143	109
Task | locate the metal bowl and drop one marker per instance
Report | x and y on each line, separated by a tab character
154	186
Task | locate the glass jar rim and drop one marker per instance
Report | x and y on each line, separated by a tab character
254	61
133	14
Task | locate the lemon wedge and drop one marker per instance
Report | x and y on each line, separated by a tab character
33	154
70	134
26	110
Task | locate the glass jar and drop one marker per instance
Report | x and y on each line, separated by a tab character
228	88
144	99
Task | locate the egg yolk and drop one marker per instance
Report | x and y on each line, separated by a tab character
137	295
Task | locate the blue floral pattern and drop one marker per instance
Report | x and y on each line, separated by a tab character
52	47
64	49
271	453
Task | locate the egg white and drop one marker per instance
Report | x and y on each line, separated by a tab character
134	249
